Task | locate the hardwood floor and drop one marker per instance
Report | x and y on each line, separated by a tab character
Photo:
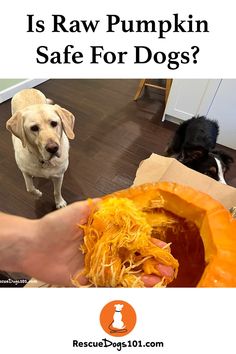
113	134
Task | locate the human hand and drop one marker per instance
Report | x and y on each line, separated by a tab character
167	271
149	280
53	252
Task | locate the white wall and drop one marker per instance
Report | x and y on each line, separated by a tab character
223	109
6	83
214	98
9	87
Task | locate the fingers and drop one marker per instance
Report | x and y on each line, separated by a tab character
158	242
82	280
87	207
164	270
150	280
75	213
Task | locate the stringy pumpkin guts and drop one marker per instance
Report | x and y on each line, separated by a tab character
118	247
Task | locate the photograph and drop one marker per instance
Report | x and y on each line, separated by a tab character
118	183
118	177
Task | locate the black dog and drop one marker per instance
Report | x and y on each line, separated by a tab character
215	165
193	145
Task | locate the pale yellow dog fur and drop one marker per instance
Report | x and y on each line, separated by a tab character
30	109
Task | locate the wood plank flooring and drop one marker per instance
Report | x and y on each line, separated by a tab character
113	134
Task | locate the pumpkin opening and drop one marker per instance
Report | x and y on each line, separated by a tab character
186	246
118	247
118	244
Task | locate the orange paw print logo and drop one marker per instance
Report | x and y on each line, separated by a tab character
118	318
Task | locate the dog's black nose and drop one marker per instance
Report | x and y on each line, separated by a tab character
52	148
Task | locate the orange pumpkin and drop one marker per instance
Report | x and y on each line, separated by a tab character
214	223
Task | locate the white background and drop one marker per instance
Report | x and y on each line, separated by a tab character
187	320
18	48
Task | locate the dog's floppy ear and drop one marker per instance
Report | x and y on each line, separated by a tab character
67	120
16	126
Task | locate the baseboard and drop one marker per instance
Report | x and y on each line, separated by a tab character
173	119
11	91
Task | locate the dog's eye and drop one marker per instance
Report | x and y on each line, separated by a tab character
34	128
53	124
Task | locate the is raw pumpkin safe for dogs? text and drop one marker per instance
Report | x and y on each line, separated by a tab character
97	54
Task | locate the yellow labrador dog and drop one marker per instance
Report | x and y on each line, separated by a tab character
40	139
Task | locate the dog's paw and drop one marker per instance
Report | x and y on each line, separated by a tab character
35	193
61	204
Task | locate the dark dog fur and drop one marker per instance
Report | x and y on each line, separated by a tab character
193	139
194	143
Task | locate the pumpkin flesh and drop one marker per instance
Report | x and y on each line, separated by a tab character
201	230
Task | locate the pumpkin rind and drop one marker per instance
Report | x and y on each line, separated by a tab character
216	225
